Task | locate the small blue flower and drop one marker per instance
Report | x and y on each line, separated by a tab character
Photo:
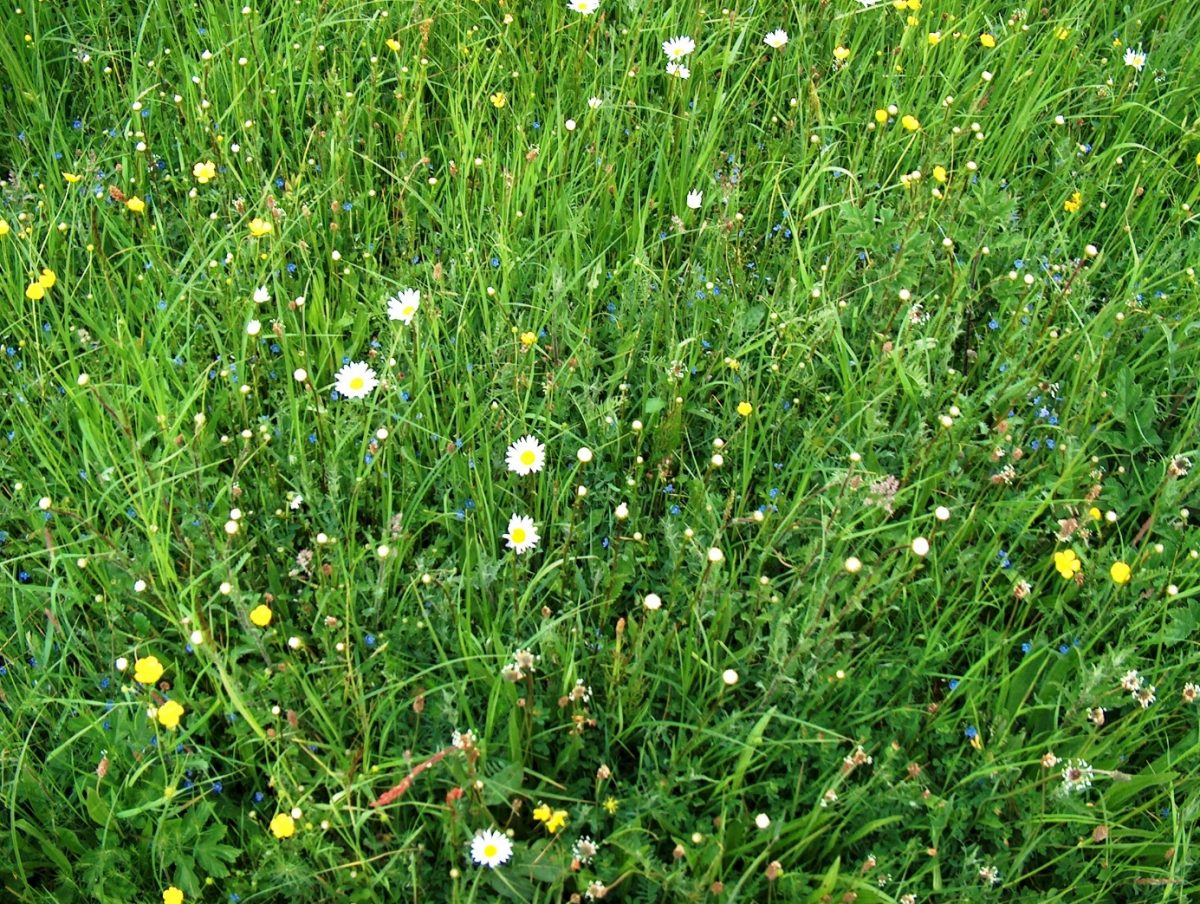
971	732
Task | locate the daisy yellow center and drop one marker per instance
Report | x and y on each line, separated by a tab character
490	851
528	457
518	535
408	310
357	382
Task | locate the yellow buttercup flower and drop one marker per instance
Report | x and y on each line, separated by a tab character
987	40
881	116
261	615
498	99
1062	34
48	278
934	38
939	173
205	172
528	338
136	204
910	122
542	813
260	227
393	45
1067	563
71	178
744	409
5	228
557	820
172	895
841	54
147	670
35	291
170	713
1120	573
1073	203
283	826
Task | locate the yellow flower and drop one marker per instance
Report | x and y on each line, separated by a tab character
48	278
260	227
1067	563
169	714
393	45
71	178
136	204
911	22
1073	203
610	804
744	409
841	54
1095	513
1062	34
35	291
881	116
557	820
914	5
261	615
172	896
910	122
148	670
934	38
528	338
939	173
498	100
283	826
542	813
5	228
205	172
987	40
1120	573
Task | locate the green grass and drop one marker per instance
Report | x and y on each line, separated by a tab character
905	344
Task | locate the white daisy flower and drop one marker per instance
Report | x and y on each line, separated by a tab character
678	48
584	7
490	848
595	102
261	295
1135	58
695	199
522	534
526	456
678	71
355	381
404	306
776	38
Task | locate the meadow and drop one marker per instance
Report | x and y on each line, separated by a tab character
478	451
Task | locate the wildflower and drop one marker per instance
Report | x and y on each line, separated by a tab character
522	534
584	7
169	714
1049	760
678	70
677	48
715	555
499	99
841	54
853	565
652	601
987	40
71	178
744	409
260	615
762	821
1144	695
584	849
730	677
35	291
260	227
695	199
611	804
1120	573
1191	691
1135	58
490	848
595	890
935	38
528	338
1077	776
393	45
881	116
5	228
989	874
584	455
594	103
172	895
526	456
283	826
552	819
910	122
939	174
403	307
356	380
147	670
1073	203
205	172
261	295
136	204
776	38
1062	34
1067	563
